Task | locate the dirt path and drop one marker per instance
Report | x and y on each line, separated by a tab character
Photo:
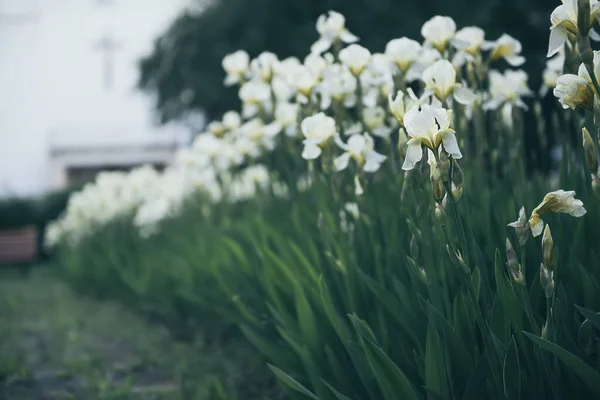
57	345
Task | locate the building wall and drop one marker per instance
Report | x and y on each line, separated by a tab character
52	81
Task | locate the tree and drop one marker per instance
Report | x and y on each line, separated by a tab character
184	70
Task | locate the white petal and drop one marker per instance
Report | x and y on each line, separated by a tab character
358	190
536	227
231	80
311	151
494	103
320	46
356	143
272	129
450	144
348	37
350	100
414	72
414	154
464	96
325	101
250	110
488	45
373	161
302	99
340	163
338	140
558	37
595	36
420	123
382	131
291	130
519	103
459	44
515	61
426	93
577	209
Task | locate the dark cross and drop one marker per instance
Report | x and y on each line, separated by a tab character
108	46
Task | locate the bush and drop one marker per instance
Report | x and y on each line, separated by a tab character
17	212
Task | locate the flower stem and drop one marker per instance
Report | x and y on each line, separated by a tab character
522	292
458	222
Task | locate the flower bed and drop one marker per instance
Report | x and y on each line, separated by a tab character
357	219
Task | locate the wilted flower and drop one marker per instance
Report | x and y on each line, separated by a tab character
564	22
440	78
558	202
361	149
506	47
438	31
403	52
355	57
469	39
317	129
235	65
429	127
573	91
331	27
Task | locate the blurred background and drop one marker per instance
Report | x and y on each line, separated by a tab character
90	85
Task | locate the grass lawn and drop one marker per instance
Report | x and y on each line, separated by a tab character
55	344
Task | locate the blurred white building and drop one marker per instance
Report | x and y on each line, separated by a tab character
68	103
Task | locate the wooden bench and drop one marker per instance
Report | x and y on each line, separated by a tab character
18	245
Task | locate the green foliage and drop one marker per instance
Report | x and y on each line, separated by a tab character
354	311
397	301
184	70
